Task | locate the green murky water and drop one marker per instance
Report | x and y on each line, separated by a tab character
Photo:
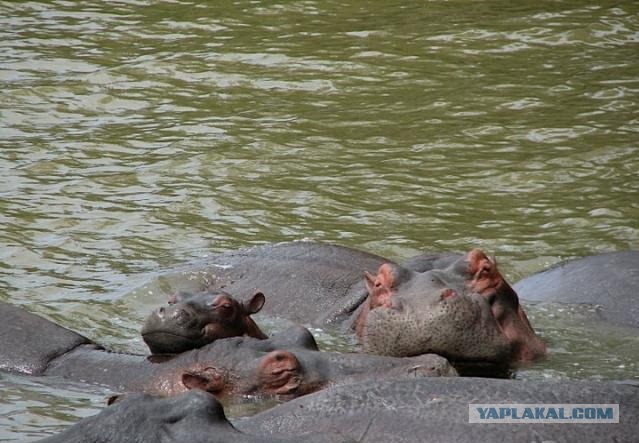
139	135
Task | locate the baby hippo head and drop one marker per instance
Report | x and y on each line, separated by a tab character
193	320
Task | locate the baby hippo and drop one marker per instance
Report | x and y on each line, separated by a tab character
194	320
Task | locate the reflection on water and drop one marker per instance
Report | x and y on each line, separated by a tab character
32	407
138	136
581	346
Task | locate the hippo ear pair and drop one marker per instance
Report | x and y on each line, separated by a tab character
255	304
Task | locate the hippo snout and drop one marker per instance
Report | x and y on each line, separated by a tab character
176	315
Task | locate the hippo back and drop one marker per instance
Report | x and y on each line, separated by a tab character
302	281
30	342
609	280
437	410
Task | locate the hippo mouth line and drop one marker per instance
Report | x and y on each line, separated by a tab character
164	335
167	339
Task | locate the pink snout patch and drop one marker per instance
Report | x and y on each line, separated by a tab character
448	293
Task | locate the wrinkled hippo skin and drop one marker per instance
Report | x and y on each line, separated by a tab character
194	417
194	320
609	280
465	310
287	364
437	411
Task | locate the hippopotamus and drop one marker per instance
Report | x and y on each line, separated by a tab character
194	417
464	310
287	365
609	280
408	411
193	320
438	410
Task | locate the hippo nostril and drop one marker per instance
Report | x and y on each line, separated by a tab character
179	313
180	316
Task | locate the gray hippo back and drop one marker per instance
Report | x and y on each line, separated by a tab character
409	411
610	280
437	410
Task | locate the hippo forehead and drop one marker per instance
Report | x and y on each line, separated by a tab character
242	352
426	288
206	298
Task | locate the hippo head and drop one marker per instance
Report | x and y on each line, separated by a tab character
465	312
193	416
281	366
193	320
286	365
274	373
289	365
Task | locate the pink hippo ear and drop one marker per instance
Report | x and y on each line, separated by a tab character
255	304
484	276
485	279
380	287
207	379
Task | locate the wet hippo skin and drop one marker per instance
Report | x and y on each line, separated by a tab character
458	306
408	411
609	280
193	417
287	364
437	411
28	342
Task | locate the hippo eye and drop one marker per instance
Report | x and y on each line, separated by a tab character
224	307
378	284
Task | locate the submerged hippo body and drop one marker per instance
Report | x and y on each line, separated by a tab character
609	280
287	365
458	306
437	410
404	411
194	417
